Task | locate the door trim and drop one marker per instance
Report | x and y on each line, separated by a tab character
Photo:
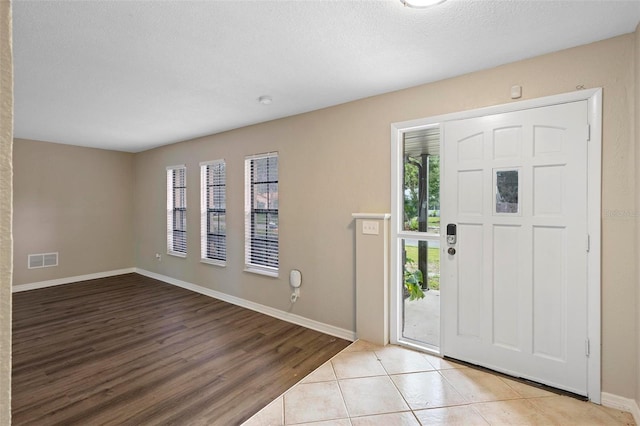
594	213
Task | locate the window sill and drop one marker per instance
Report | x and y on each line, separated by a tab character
261	271
220	263
177	254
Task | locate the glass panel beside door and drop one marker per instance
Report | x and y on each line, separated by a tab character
418	239
421	291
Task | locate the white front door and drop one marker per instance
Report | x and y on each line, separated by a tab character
514	294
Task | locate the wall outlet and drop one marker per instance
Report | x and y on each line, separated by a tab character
370	227
158	257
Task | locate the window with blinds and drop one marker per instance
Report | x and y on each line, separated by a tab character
213	224
177	211
261	213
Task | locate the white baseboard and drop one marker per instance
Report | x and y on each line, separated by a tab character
267	310
622	403
69	280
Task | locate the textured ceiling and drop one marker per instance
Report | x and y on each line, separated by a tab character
133	75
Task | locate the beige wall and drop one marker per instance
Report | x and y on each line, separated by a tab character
75	201
335	162
6	137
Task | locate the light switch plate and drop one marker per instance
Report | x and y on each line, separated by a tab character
370	227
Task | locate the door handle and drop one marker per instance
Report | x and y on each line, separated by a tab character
451	251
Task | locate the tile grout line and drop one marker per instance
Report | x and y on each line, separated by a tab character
396	386
340	389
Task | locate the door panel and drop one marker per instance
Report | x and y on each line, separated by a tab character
506	242
470	193
469	298
514	293
549	278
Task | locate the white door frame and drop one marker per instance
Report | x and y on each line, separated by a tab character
594	213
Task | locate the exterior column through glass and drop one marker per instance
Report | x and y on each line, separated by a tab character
423	215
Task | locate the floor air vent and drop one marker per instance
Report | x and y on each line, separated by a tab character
43	260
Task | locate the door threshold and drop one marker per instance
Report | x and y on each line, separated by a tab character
419	346
538	385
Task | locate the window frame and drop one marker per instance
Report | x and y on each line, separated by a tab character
172	209
249	245
205	213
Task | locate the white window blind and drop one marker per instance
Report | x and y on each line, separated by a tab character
177	210
261	213
213	224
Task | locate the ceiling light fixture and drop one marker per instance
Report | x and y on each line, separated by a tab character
421	4
265	100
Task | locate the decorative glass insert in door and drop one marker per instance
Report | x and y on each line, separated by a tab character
506	187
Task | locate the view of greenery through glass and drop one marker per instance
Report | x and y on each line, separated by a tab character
433	266
421	214
412	198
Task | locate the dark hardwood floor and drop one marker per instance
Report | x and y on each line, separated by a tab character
132	350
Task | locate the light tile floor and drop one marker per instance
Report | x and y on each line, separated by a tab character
373	385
